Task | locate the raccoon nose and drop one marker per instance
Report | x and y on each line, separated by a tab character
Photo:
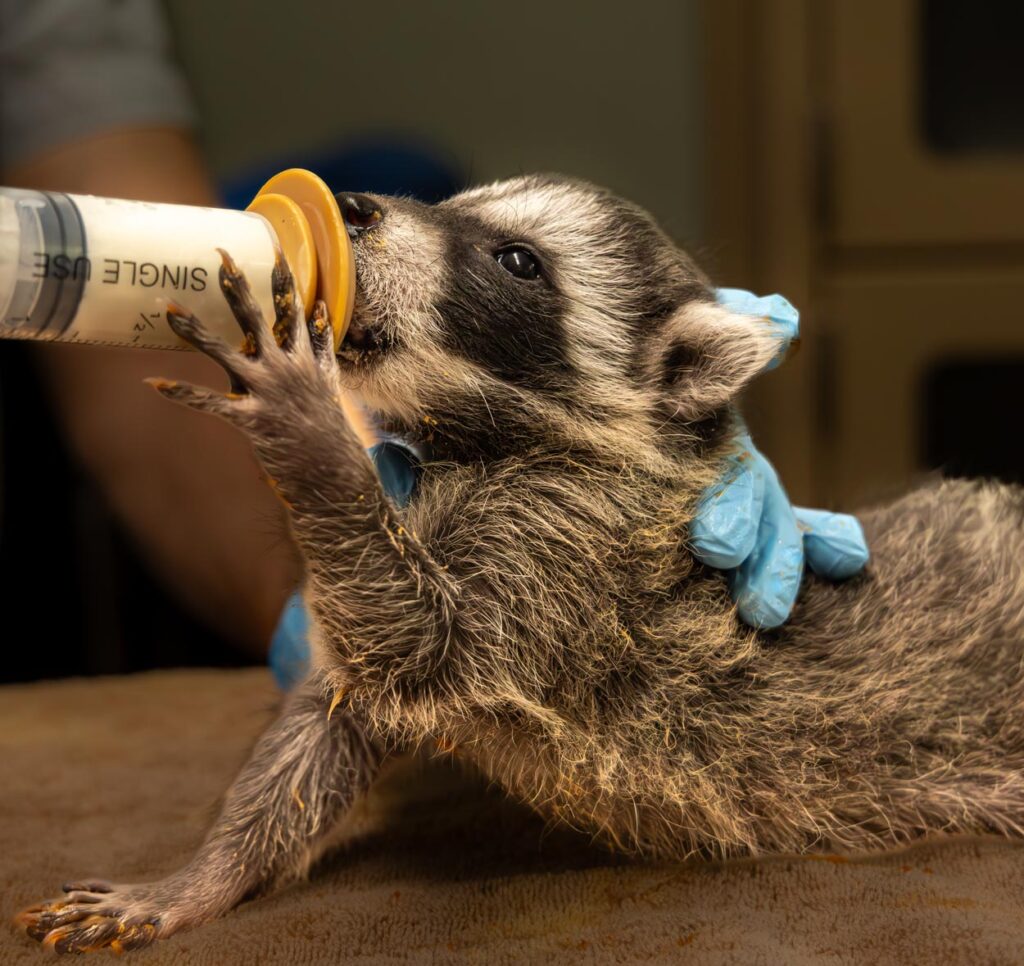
360	213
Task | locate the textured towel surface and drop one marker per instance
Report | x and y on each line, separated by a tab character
119	778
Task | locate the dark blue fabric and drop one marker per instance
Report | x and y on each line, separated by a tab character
384	166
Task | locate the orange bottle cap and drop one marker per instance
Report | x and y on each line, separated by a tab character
296	238
334	280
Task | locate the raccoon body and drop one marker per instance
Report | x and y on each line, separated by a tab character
536	610
590	664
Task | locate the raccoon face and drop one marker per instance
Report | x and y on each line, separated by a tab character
536	308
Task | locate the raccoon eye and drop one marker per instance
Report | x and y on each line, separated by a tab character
518	262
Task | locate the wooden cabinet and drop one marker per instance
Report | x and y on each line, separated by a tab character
888	334
887	185
905	258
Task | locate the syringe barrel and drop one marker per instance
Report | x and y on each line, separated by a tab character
76	268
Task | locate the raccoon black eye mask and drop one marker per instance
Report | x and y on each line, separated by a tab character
536	607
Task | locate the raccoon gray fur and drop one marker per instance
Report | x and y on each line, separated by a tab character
536	609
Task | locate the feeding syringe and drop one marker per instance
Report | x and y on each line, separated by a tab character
76	268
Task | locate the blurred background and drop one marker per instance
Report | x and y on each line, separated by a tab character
864	159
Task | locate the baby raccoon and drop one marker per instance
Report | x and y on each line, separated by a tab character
536	610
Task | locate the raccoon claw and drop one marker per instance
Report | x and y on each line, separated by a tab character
88	885
249	316
287	305
196	397
271	358
321	336
188	328
88	919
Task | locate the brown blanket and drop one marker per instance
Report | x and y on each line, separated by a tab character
119	778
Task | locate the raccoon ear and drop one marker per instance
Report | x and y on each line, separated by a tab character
705	354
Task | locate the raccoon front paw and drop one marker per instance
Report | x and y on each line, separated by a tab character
95	915
284	379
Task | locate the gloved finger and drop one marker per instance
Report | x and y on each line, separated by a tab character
724	527
777	311
290	656
765	585
834	543
397	467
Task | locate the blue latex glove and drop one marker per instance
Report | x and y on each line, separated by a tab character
289	655
778	312
745	523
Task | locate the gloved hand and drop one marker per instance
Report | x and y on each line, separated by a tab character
744	523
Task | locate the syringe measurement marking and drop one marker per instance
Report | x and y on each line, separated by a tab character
140	327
